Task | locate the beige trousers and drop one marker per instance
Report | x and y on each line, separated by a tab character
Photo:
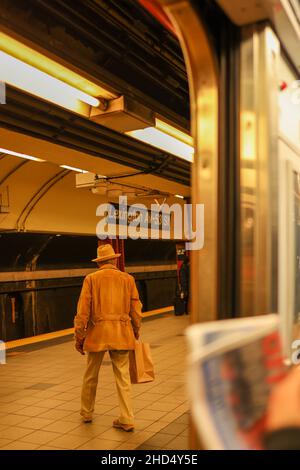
120	363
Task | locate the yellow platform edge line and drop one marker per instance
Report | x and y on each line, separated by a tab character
158	311
69	331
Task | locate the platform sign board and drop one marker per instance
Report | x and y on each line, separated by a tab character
135	221
137	214
161	221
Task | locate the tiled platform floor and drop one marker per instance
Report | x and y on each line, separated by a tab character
40	398
174	436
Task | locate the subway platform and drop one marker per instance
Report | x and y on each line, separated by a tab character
40	397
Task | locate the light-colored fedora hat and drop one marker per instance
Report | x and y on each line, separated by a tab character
105	252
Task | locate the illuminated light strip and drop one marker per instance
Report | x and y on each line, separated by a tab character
173	132
168	138
78	170
179	196
21	155
32	57
28	78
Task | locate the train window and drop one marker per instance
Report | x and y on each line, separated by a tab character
289	249
296	220
289	208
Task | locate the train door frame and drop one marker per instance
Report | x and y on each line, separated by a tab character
202	69
289	161
260	56
202	72
259	50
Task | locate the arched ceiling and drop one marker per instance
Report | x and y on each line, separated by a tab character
42	196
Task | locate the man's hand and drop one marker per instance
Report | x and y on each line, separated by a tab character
284	403
79	347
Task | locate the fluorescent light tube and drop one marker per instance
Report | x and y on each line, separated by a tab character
168	138
21	155
78	170
32	80
53	68
174	132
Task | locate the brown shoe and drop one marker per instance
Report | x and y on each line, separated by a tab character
125	427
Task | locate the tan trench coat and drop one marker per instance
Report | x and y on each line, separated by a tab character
108	310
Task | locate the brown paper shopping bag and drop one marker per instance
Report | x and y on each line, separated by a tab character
141	364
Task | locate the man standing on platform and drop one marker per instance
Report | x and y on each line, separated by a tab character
108	319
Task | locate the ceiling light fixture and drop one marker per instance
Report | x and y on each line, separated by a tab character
168	138
31	71
25	77
21	155
78	170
